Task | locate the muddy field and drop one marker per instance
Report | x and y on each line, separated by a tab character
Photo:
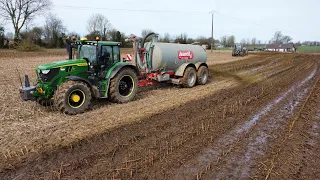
257	118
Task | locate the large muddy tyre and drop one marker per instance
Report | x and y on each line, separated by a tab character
45	102
72	97
189	78
124	86
202	75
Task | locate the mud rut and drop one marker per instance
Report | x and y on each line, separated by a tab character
267	127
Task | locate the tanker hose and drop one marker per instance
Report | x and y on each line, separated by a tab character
143	42
145	38
140	66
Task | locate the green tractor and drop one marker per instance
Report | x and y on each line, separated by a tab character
96	72
239	50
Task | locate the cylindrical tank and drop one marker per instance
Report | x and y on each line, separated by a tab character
170	56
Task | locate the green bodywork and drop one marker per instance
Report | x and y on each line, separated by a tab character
79	68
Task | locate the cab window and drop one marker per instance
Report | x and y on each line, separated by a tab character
116	53
107	55
111	54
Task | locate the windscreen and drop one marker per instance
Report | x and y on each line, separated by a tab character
89	52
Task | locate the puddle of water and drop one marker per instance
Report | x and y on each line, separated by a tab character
257	144
264	111
212	154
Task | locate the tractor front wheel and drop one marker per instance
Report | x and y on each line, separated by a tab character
124	86
72	97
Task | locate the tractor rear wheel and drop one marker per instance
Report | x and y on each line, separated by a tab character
124	86
202	75
45	102
189	78
72	97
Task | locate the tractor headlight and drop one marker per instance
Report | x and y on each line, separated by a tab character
45	71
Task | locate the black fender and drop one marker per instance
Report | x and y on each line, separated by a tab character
94	89
118	68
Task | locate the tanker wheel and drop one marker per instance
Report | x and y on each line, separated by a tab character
189	78
72	97
45	102
124	86
202	75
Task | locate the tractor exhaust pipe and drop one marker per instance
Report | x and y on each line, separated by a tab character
26	81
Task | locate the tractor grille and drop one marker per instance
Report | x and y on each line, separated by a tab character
48	77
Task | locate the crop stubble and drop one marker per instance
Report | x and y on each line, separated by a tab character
176	128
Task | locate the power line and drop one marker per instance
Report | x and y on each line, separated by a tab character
213	12
130	10
153	11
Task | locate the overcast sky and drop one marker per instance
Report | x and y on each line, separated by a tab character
242	18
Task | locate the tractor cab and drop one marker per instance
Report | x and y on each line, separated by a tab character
238	47
98	54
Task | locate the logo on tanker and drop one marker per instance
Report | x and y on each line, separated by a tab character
185	55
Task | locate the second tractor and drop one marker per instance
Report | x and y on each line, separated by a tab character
239	50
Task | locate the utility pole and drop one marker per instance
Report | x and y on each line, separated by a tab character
212	13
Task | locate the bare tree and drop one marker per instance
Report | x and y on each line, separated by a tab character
99	24
145	32
243	42
248	41
166	38
231	41
277	37
181	39
54	30
224	40
114	35
254	41
21	11
204	40
286	39
259	42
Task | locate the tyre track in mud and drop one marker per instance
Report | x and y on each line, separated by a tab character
296	154
269	124
157	147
